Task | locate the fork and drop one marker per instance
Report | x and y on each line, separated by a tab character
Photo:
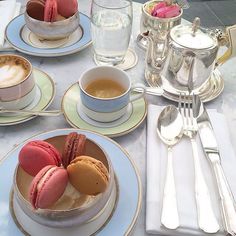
206	217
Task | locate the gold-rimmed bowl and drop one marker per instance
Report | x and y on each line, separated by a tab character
52	30
84	209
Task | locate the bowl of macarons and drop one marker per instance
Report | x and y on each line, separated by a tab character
52	19
64	181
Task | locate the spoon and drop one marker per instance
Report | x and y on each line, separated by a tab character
170	131
31	112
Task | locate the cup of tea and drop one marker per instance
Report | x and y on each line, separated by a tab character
106	92
17	84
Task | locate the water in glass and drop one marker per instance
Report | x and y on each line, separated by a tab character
111	30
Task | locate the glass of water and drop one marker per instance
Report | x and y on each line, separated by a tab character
111	25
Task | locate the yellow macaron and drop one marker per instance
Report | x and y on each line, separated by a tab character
88	175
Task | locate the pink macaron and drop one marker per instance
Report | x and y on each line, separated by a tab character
48	186
37	154
67	8
50	11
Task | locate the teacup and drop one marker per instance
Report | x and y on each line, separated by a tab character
17	85
106	92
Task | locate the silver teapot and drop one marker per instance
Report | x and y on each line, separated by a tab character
187	57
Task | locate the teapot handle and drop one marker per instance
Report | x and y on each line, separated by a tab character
231	51
156	51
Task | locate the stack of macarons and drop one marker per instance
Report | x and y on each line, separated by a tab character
164	10
51	10
52	171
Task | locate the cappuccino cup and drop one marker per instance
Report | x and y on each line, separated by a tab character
17	85
105	93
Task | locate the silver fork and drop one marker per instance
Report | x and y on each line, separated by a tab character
206	217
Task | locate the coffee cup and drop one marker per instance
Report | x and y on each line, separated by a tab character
17	85
105	93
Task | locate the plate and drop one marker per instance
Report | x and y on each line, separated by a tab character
128	203
45	92
23	40
135	115
207	92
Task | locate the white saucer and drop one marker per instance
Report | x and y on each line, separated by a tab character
35	41
130	60
137	112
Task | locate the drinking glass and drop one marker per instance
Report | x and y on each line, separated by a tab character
111	25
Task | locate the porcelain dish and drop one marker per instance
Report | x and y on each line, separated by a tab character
72	216
71	107
22	39
121	220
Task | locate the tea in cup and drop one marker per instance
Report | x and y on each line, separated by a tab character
106	92
17	85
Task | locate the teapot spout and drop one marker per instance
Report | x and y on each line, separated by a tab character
231	51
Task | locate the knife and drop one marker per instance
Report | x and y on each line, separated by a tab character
209	144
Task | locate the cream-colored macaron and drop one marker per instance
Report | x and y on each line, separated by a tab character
88	175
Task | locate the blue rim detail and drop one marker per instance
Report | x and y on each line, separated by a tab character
13	36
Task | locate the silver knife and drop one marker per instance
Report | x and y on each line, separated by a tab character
209	143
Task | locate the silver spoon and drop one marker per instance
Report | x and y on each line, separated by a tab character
31	112
170	131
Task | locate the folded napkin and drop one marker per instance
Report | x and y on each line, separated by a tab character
8	10
184	176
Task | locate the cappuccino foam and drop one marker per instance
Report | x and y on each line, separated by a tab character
12	72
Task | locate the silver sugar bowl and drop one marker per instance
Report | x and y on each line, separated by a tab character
158	26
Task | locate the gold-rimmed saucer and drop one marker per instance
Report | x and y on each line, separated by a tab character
45	92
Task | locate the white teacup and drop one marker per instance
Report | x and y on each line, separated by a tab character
105	93
17	84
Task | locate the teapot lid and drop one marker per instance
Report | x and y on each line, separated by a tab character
190	36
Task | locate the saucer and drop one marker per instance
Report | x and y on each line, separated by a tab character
136	113
45	92
130	60
23	40
207	92
128	203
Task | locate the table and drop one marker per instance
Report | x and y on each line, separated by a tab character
66	71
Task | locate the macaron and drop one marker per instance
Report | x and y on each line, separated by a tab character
37	154
47	186
50	11
74	146
88	175
67	8
35	9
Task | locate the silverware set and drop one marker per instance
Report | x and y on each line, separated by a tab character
206	218
191	119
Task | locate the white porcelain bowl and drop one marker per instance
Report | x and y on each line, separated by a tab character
53	30
66	217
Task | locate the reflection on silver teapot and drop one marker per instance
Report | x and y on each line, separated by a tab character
155	25
186	58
